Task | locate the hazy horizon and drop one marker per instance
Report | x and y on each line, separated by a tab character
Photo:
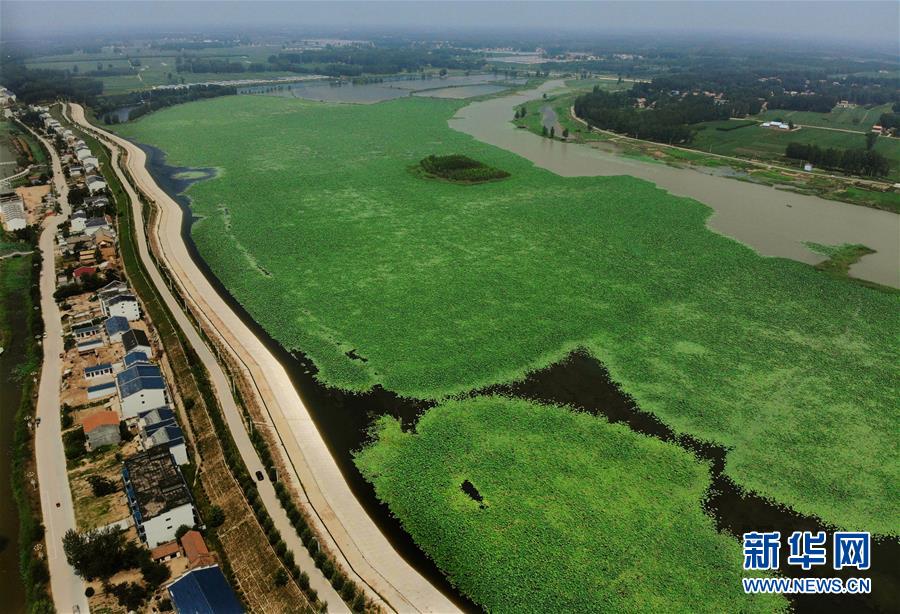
863	24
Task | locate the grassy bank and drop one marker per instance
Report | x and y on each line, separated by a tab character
544	474
18	292
432	289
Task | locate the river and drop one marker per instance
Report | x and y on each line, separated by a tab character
773	222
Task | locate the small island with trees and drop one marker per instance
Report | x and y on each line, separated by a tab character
459	169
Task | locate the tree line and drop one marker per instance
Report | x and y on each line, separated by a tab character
36	85
853	161
669	122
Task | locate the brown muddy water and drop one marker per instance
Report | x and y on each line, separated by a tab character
773	222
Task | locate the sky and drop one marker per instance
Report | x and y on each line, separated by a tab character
860	22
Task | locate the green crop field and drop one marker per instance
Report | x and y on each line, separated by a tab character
316	225
768	144
545	473
856	118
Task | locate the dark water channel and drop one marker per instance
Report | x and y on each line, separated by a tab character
344	418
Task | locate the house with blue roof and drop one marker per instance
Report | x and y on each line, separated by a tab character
204	590
101	391
170	436
135	357
141	387
98	371
158	427
115	326
83	332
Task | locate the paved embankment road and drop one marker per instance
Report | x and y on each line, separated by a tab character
339	517
56	498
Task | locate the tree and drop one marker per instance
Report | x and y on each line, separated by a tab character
544	130
552	131
102	486
871	138
129	595
281	577
565	133
179	533
216	516
95	554
154	573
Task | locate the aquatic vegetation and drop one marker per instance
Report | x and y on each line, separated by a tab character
545	473
333	245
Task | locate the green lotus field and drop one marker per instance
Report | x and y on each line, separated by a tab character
574	511
434	289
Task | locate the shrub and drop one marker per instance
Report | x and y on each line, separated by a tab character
102	486
89	592
215	517
281	578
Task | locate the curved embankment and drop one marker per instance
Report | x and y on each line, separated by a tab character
338	515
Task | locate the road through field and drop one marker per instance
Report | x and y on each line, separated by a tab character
339	516
53	479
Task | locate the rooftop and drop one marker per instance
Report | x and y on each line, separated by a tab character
204	591
116	324
102	418
195	548
140	376
103	366
103	386
157	416
135	338
135	357
164	550
154	482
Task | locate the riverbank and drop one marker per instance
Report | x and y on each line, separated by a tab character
877	194
773	222
23	576
329	500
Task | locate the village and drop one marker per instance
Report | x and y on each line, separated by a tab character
127	458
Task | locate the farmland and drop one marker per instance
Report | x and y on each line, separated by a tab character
153	66
549	473
766	144
854	118
431	289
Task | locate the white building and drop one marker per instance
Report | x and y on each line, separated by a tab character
94	224
12	212
141	387
124	305
95	184
158	496
77	221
